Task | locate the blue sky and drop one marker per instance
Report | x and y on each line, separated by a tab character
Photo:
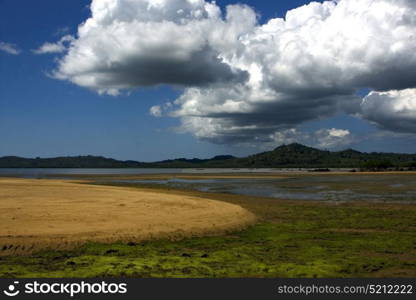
46	117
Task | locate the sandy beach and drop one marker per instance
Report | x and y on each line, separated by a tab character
56	214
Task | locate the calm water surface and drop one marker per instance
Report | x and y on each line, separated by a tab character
323	187
46	172
373	188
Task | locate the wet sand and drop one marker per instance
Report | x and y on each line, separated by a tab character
57	214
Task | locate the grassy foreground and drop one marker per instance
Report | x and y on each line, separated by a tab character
293	239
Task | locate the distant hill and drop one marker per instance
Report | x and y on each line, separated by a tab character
66	162
297	155
286	156
90	161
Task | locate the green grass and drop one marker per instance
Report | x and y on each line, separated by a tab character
292	239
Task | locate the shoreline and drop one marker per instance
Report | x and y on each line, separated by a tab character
208	175
291	238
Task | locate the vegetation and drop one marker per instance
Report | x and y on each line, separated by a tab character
292	239
66	162
410	165
286	156
377	165
296	155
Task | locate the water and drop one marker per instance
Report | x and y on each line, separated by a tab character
60	173
322	187
371	188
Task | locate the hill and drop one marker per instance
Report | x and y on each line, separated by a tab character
297	155
66	162
285	156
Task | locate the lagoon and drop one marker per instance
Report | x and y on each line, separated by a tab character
385	188
289	184
62	172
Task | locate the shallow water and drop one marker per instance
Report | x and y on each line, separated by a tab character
61	172
323	187
373	188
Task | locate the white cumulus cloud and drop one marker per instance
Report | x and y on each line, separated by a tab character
132	43
9	48
244	81
308	66
323	138
57	47
392	110
156	111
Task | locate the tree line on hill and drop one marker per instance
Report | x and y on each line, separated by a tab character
286	156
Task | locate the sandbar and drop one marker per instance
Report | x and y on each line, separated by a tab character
38	214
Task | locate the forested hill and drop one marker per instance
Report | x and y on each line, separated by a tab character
297	155
286	156
66	162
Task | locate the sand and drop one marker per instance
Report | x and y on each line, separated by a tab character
40	214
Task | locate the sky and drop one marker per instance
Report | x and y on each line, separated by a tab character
150	80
